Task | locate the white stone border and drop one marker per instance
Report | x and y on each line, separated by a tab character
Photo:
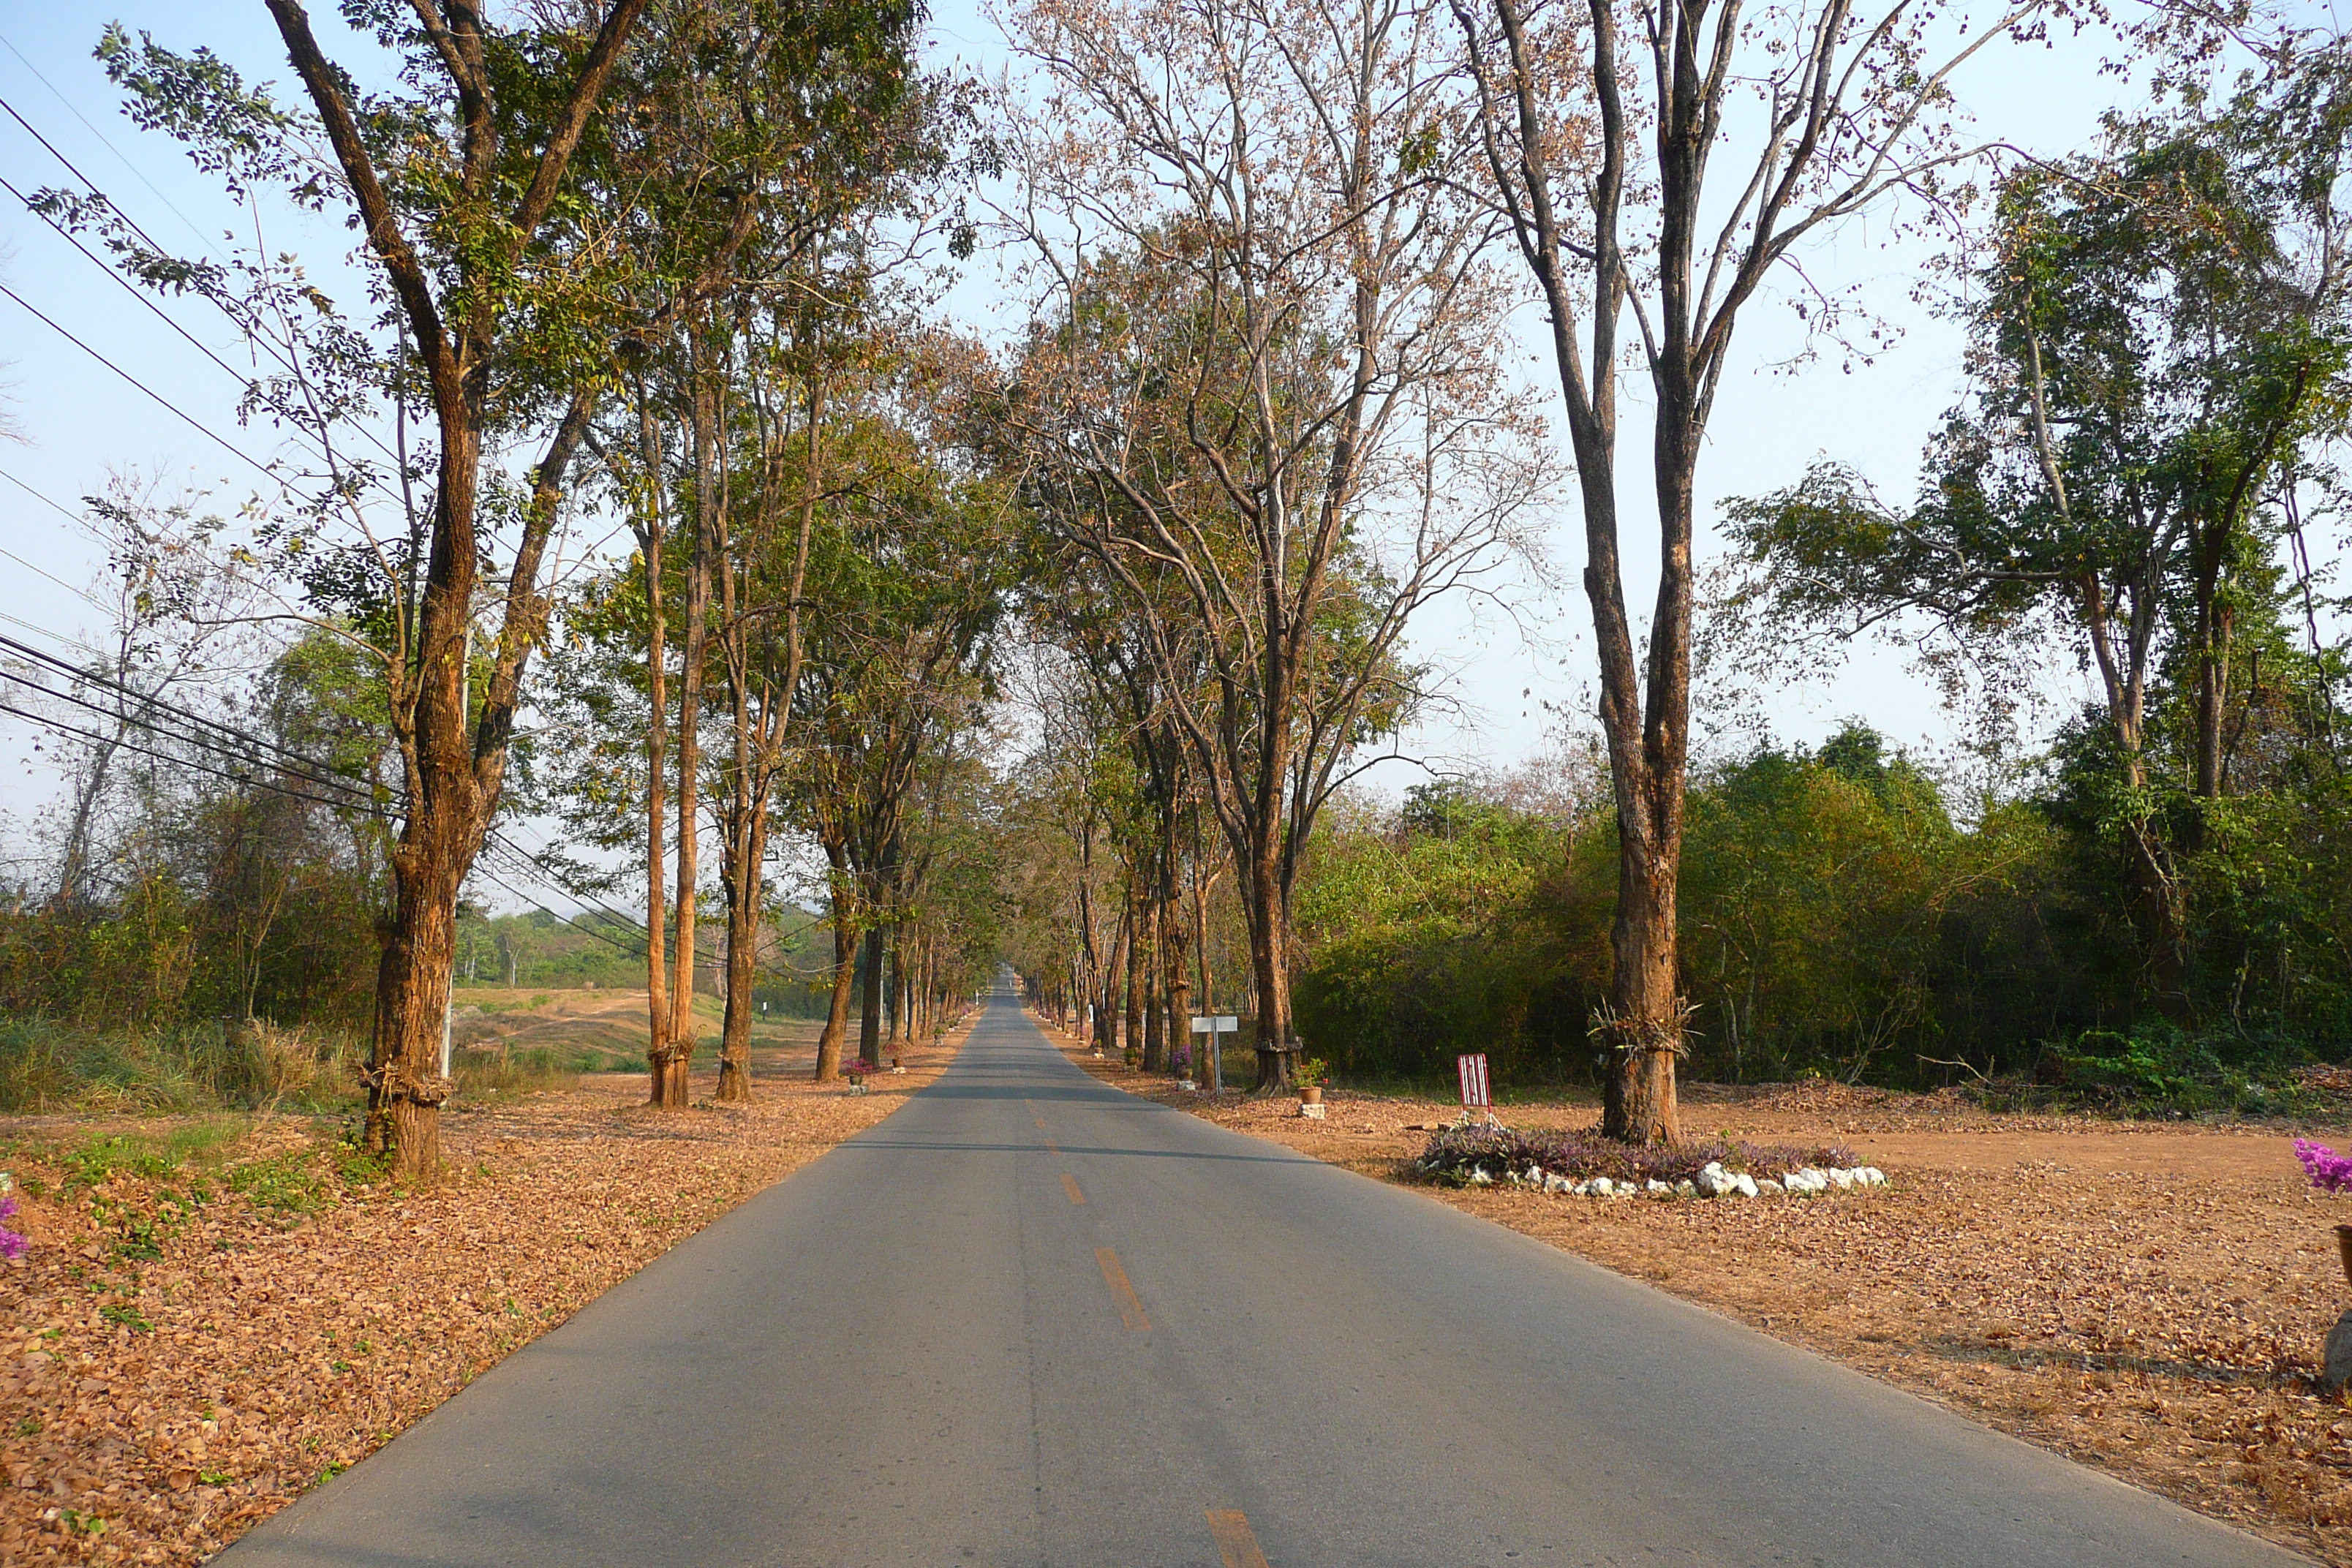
1713	1182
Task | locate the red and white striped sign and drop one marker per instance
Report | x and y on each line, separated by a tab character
1473	1069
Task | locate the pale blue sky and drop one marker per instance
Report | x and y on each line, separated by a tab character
80	419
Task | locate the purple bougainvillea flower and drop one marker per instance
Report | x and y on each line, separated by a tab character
11	1245
2329	1171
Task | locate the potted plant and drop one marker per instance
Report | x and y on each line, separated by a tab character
1309	1075
856	1069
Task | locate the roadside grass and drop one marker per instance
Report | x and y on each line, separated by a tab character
48	1065
504	1073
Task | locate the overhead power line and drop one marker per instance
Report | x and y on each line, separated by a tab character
49	721
237	318
136	173
205	731
176	411
81	594
188	728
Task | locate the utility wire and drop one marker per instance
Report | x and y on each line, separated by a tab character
175	409
103	265
633	950
313	771
195	729
214	735
81	594
237	318
147	725
46	721
136	173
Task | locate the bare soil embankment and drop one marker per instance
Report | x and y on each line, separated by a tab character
191	1348
2149	1299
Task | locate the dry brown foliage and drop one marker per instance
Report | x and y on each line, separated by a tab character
2148	1298
166	1388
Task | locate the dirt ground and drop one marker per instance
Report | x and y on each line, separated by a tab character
187	1351
2151	1299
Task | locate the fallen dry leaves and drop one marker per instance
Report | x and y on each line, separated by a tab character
177	1371
2148	1298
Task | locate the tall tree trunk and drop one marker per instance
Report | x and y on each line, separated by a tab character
902	993
1208	1000
649	542
1644	1025
869	1023
437	845
836	1017
1155	1008
1180	991
1089	961
1135	946
1269	965
673	1083
456	767
406	1087
1105	999
2149	867
759	745
744	921
2216	632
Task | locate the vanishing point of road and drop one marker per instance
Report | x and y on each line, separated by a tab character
1029	1320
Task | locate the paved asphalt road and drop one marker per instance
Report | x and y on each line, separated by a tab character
1030	1320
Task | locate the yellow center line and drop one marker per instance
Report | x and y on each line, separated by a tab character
1070	1185
1130	1310
1235	1542
1050	1147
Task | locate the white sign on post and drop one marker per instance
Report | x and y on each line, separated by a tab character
1216	1026
1475	1088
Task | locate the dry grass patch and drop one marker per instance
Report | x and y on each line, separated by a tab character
199	1335
2148	1299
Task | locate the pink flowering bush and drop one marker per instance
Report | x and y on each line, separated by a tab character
2329	1171
11	1245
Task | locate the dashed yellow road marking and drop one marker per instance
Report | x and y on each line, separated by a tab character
1070	1185
1050	1147
1130	1310
1235	1542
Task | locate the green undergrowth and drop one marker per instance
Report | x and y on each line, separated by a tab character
2160	1071
142	1188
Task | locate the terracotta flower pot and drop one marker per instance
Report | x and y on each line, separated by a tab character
1312	1094
2343	1249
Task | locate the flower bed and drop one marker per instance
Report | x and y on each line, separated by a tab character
1558	1158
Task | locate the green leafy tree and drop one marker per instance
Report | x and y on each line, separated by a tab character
2160	352
458	177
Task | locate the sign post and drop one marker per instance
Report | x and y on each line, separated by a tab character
1476	1089
1216	1026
